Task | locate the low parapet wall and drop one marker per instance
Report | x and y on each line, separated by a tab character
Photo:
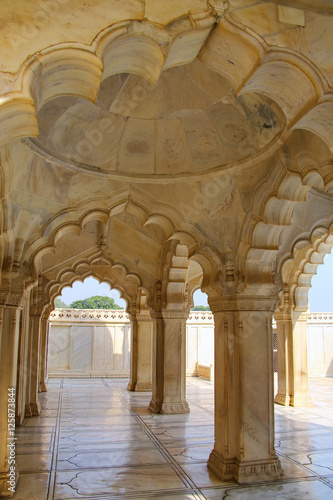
96	343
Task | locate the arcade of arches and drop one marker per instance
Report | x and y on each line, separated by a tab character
164	147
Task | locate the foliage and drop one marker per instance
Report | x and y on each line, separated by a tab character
95	302
60	304
200	308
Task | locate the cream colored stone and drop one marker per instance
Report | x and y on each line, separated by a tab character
162	147
291	16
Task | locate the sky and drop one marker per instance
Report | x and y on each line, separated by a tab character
320	294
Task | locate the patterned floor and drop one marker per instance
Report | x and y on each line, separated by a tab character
96	440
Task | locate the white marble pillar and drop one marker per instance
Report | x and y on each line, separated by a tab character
134	354
141	353
33	373
292	359
22	364
9	331
169	363
28	409
43	355
244	397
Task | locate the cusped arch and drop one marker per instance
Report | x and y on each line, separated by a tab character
298	271
116	275
274	224
77	69
146	49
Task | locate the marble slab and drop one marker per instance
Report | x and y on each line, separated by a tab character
307	490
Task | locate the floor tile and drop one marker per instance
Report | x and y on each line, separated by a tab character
102	458
202	476
115	481
32	487
306	490
94	439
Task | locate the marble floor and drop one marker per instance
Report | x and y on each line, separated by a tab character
94	439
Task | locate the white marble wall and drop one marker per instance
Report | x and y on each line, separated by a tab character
320	344
92	343
89	344
97	343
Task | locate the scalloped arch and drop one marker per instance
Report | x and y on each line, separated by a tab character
116	275
307	255
273	214
146	49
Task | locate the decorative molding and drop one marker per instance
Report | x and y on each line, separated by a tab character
319	317
244	472
35	409
88	315
143	387
171	408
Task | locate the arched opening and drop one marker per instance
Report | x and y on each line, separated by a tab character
320	293
320	321
88	288
132	182
91	337
304	344
200	338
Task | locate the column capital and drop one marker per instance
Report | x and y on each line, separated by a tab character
243	303
170	314
291	316
140	317
9	298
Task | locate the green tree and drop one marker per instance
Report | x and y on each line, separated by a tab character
200	308
60	304
96	302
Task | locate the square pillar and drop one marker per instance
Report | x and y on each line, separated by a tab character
9	334
169	363
292	359
22	364
134	354
244	397
141	354
32	407
44	327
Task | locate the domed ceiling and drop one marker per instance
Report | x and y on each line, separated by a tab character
189	123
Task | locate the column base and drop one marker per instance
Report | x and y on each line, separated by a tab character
298	401
244	472
168	408
144	386
27	411
140	386
35	409
5	485
282	399
131	386
154	407
42	387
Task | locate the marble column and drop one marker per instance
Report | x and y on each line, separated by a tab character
32	405
44	327
22	365
169	363
9	331
244	397
28	409
292	359
141	353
